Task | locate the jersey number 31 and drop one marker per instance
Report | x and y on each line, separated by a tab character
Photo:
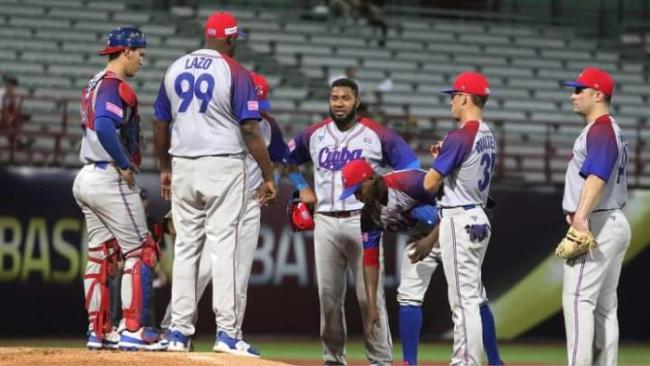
187	87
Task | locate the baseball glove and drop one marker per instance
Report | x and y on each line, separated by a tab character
575	244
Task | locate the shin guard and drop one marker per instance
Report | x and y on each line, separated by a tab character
137	284
102	264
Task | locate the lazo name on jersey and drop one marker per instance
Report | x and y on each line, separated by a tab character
198	63
336	160
486	142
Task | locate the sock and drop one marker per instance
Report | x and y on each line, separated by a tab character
490	336
410	324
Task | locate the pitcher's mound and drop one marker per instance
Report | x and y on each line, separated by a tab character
13	356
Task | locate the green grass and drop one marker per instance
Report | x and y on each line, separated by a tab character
540	353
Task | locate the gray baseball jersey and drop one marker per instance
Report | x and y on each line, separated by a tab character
601	150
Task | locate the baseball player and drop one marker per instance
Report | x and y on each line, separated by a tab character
595	191
249	225
208	119
330	145
397	202
465	161
106	192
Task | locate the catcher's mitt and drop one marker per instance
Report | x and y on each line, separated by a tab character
575	244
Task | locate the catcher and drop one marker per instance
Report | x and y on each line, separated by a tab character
397	202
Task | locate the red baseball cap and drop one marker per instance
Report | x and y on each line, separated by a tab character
222	24
354	173
471	83
262	90
593	78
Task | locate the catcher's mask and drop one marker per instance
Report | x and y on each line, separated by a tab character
299	214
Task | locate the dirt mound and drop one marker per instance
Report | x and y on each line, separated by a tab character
12	356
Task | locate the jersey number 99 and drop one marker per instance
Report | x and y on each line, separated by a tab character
187	87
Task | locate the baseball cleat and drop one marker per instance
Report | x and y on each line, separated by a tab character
110	341
145	339
177	342
227	344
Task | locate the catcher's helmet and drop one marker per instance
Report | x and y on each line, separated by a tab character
299	214
123	38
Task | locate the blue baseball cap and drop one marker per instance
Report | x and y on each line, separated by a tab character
123	38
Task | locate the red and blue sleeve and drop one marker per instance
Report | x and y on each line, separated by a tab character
370	237
108	102
162	108
602	151
455	149
243	100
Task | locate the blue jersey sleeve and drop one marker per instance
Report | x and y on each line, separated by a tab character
427	214
299	148
244	101
108	102
107	136
602	151
370	237
396	152
278	149
455	148
162	108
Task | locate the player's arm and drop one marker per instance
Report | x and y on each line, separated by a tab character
602	153
109	115
397	153
162	139
298	155
371	237
452	153
245	108
254	141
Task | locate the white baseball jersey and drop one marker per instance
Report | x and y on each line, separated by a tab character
277	151
107	96
331	149
467	160
600	150
210	121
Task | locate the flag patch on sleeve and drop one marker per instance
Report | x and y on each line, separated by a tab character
114	109
253	105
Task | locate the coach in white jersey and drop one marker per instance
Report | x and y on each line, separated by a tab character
208	103
249	224
330	145
595	191
465	163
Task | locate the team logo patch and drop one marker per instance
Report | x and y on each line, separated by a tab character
114	109
253	105
231	30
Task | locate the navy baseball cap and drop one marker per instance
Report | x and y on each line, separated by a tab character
123	38
354	173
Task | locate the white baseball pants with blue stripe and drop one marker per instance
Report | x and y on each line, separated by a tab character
589	297
462	259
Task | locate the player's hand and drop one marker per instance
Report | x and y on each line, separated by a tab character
166	184
420	250
435	149
266	193
582	225
128	176
308	196
372	322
